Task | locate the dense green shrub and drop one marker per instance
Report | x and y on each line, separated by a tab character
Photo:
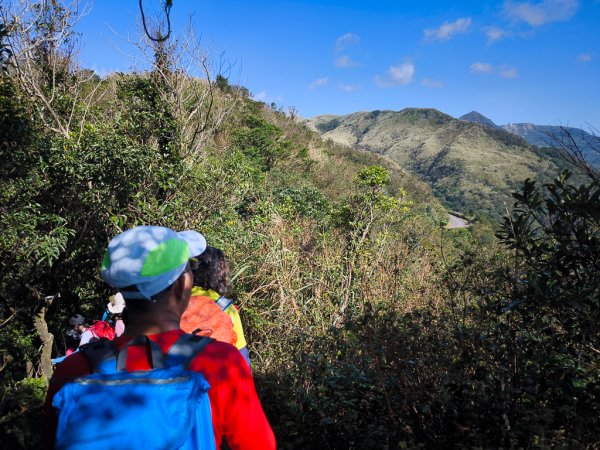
262	141
20	413
308	202
555	233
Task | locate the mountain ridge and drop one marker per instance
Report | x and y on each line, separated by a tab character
471	167
556	136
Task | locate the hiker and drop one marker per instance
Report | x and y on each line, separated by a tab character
74	336
91	333
71	341
209	302
115	307
81	327
83	334
130	401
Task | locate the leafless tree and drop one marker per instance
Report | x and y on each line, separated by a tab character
292	113
185	75
43	46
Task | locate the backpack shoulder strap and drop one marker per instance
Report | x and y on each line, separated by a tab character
185	349
156	355
101	355
223	302
92	330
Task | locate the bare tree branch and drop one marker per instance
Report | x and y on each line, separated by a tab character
43	47
573	153
186	83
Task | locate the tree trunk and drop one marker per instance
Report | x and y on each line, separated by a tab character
47	338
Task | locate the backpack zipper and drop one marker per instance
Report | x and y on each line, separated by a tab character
173	380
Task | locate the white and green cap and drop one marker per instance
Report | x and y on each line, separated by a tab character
149	258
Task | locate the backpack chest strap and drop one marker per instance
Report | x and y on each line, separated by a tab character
156	354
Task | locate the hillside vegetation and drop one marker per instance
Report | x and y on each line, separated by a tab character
471	167
574	140
369	325
559	136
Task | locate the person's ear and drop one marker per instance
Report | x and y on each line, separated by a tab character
180	285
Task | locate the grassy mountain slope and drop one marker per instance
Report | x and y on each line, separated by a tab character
471	167
556	136
571	138
332	167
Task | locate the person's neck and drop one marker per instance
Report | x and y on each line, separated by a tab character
151	325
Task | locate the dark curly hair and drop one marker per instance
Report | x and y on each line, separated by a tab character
212	271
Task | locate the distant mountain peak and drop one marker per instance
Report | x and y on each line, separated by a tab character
476	117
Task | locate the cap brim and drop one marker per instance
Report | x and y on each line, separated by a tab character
195	241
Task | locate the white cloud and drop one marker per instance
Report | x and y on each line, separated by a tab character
447	30
508	72
495	34
486	68
584	57
345	62
345	40
261	96
349	87
541	12
264	96
396	75
319	82
479	67
431	83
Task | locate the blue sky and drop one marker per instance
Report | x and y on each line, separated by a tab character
513	61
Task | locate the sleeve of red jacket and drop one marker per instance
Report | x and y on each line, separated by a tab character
74	366
238	416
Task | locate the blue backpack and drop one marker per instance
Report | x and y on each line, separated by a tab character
163	408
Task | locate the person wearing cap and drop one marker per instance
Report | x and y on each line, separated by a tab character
115	307
150	266
75	336
77	323
80	326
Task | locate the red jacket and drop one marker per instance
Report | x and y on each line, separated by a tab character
236	410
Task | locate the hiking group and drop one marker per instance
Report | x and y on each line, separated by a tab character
176	374
83	334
